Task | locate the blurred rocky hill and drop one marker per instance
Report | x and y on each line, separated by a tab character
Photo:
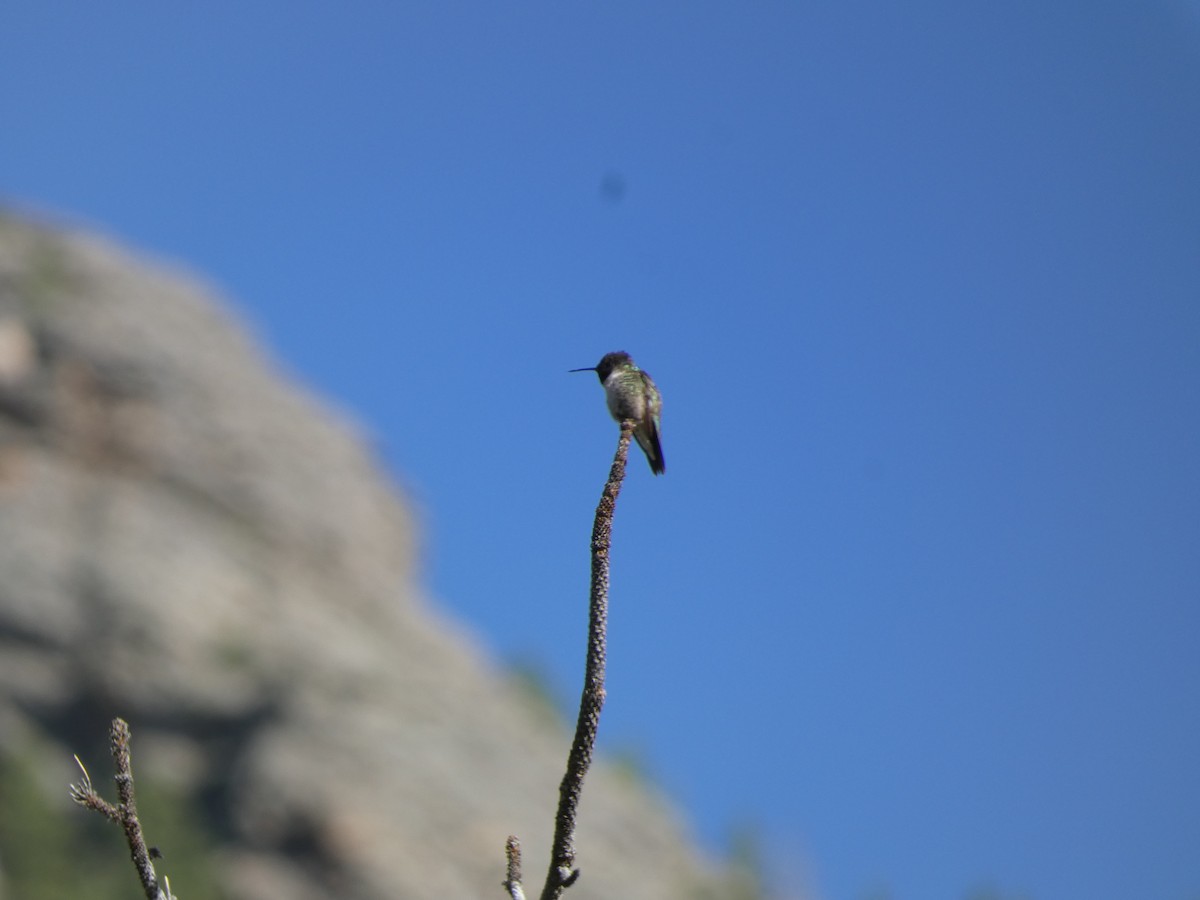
191	542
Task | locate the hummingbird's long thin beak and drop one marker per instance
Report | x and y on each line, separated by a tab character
588	369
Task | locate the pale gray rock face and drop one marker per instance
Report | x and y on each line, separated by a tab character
191	542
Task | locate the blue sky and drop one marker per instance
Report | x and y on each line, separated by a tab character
919	595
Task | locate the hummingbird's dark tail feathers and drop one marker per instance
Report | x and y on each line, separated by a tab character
654	455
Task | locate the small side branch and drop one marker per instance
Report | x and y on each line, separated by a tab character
512	881
125	812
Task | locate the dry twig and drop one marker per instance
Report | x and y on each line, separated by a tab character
562	872
125	812
512	882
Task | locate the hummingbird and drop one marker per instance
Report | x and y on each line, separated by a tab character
631	394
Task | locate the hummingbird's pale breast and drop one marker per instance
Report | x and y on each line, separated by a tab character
625	395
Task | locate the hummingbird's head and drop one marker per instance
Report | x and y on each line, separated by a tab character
610	362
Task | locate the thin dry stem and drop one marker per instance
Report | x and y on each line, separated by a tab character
125	812
562	872
512	882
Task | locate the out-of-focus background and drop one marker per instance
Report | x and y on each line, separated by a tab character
915	610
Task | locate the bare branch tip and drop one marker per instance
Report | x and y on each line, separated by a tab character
512	881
